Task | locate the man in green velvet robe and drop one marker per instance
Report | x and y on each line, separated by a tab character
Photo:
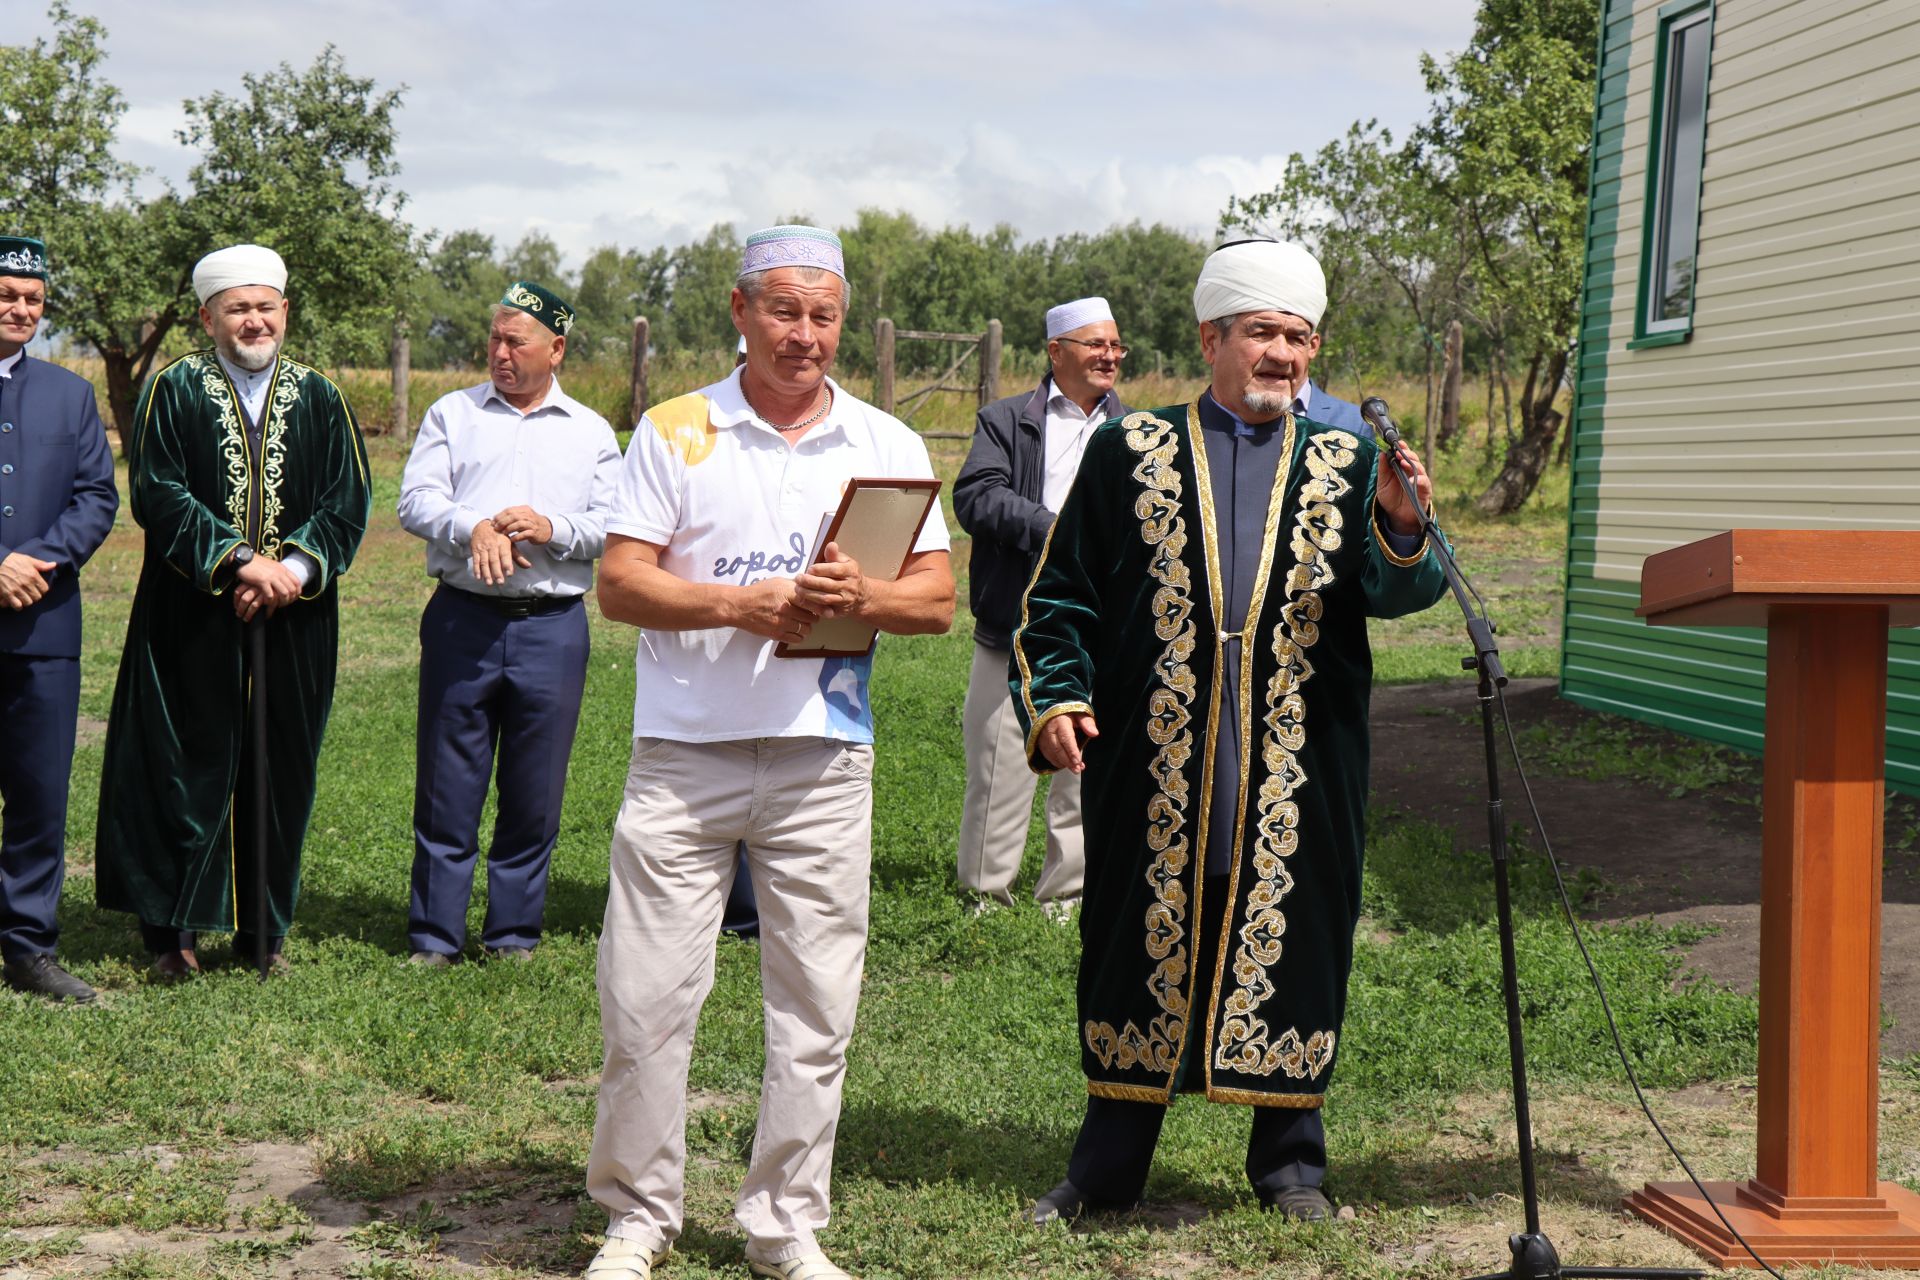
249	476
1194	644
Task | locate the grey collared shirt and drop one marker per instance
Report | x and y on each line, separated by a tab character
476	455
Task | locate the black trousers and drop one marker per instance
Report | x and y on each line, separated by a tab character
1114	1152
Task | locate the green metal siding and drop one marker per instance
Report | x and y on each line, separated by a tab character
1710	683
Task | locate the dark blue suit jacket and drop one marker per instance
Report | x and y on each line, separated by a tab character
57	498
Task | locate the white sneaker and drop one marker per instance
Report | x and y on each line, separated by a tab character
810	1266
621	1259
1060	910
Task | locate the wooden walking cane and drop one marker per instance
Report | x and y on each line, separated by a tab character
257	646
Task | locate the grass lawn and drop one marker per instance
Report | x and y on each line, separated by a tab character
366	1119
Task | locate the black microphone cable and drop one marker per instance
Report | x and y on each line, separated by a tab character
1375	411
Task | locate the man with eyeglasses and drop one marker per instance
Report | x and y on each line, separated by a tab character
1205	594
1025	451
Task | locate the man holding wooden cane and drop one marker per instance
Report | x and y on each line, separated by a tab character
708	551
249	477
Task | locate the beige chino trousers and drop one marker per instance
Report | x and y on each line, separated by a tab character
999	804
804	807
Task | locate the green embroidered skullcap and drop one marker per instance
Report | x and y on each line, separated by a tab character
544	305
23	256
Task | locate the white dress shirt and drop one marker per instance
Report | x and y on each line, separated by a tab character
252	385
6	366
476	455
1067	429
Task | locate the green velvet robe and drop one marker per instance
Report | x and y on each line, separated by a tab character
176	791
1120	621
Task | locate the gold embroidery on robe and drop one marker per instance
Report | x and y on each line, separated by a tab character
1246	1044
1169	727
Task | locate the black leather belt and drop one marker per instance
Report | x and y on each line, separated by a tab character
517	606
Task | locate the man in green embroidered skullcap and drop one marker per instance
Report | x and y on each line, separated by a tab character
56	507
249	477
509	485
544	305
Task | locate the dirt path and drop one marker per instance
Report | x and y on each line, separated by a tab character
1693	858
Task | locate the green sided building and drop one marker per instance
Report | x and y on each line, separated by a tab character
1750	330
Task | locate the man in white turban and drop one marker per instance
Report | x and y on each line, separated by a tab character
1026	449
1195	649
249	477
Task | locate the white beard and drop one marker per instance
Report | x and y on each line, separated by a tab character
253	357
1270	403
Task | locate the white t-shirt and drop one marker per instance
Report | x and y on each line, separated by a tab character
732	502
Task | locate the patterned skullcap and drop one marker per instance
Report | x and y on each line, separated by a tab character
792	246
544	305
23	256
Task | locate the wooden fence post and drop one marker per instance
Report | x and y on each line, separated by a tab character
642	333
990	364
883	364
402	364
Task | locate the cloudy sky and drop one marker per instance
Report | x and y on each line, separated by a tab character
644	124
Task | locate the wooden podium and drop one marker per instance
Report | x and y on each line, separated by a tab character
1826	599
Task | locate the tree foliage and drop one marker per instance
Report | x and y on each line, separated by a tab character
1478	216
301	161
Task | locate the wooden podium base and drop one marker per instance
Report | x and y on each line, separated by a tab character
1882	1232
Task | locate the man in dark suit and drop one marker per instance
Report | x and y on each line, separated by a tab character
57	502
1025	451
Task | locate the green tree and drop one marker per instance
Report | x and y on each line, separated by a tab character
303	162
880	248
116	263
1509	134
455	296
700	307
615	286
1373	212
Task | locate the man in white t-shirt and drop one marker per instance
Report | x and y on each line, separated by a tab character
708	554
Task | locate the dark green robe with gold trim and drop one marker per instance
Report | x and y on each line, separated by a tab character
1120	620
175	843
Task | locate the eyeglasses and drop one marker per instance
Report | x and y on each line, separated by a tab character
1113	349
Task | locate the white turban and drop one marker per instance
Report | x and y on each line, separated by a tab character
1261	275
242	264
1069	316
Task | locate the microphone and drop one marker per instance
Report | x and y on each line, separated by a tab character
1374	410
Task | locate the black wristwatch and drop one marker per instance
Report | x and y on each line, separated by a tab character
242	556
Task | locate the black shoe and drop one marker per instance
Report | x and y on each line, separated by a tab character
1301	1204
40	975
1066	1202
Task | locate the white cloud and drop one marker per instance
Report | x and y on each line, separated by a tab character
645	124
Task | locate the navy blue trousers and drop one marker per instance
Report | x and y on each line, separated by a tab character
39	706
490	687
1112	1155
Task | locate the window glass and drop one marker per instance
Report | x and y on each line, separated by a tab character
1682	152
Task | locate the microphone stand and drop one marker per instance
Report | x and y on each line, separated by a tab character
1534	1257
